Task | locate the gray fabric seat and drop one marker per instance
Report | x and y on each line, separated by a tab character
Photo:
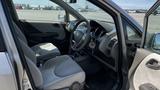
60	72
43	51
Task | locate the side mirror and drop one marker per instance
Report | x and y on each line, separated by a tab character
156	42
70	1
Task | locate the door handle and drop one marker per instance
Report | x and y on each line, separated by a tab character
153	64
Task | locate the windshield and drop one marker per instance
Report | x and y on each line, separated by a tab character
90	11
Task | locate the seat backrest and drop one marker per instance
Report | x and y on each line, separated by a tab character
20	33
28	52
36	74
31	61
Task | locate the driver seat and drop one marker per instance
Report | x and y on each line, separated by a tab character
59	73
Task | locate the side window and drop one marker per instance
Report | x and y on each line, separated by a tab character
131	33
153	32
39	11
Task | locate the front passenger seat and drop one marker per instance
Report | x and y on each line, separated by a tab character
59	73
44	51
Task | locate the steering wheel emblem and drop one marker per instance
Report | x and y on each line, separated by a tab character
92	44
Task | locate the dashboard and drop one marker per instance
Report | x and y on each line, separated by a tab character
103	44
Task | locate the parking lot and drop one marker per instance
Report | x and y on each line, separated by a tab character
52	15
56	16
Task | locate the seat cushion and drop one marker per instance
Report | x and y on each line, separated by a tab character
61	72
45	51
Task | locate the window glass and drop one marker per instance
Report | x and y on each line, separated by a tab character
39	10
153	31
131	34
90	11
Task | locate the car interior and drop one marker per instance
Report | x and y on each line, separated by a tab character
86	65
73	55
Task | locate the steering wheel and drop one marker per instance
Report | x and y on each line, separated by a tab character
81	35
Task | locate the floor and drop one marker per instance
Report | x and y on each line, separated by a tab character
99	81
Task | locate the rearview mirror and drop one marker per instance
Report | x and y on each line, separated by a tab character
70	1
156	42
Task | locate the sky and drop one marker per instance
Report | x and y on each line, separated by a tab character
135	4
125	4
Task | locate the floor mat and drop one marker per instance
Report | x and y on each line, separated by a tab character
101	81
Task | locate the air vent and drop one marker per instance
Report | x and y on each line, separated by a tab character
112	42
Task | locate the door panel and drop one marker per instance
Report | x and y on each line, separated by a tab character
44	32
145	71
144	74
51	28
139	56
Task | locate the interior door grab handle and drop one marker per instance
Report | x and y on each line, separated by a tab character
147	86
153	64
